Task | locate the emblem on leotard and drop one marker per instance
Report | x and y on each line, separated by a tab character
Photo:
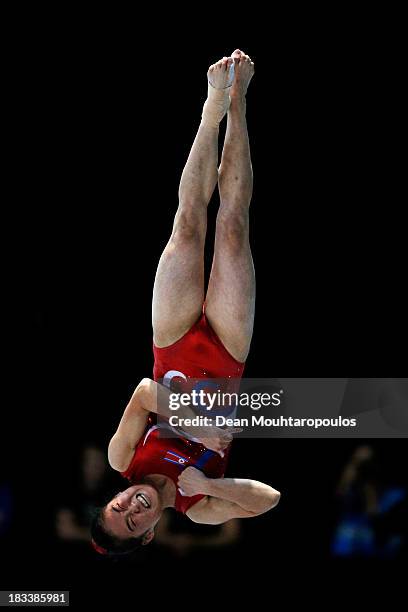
176	458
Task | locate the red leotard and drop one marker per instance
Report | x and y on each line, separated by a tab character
199	354
170	456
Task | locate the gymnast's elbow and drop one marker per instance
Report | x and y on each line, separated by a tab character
277	496
144	386
272	500
267	501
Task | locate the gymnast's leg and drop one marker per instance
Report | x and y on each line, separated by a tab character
178	292
230	300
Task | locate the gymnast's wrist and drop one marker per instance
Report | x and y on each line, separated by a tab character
211	487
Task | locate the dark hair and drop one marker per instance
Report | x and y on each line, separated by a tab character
106	544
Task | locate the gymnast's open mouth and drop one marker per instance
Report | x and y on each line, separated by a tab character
143	499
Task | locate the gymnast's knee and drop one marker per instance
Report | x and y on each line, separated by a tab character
232	228
189	226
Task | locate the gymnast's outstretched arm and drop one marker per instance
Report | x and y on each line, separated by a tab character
226	498
149	396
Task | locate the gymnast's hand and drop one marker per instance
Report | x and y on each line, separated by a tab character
192	482
215	438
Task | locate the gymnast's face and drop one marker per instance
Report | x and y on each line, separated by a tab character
132	512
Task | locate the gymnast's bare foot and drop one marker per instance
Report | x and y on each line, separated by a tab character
244	71
220	78
219	74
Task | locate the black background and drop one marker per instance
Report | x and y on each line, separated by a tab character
106	108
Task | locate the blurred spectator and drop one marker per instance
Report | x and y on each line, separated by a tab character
72	523
6	507
183	537
391	522
366	502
